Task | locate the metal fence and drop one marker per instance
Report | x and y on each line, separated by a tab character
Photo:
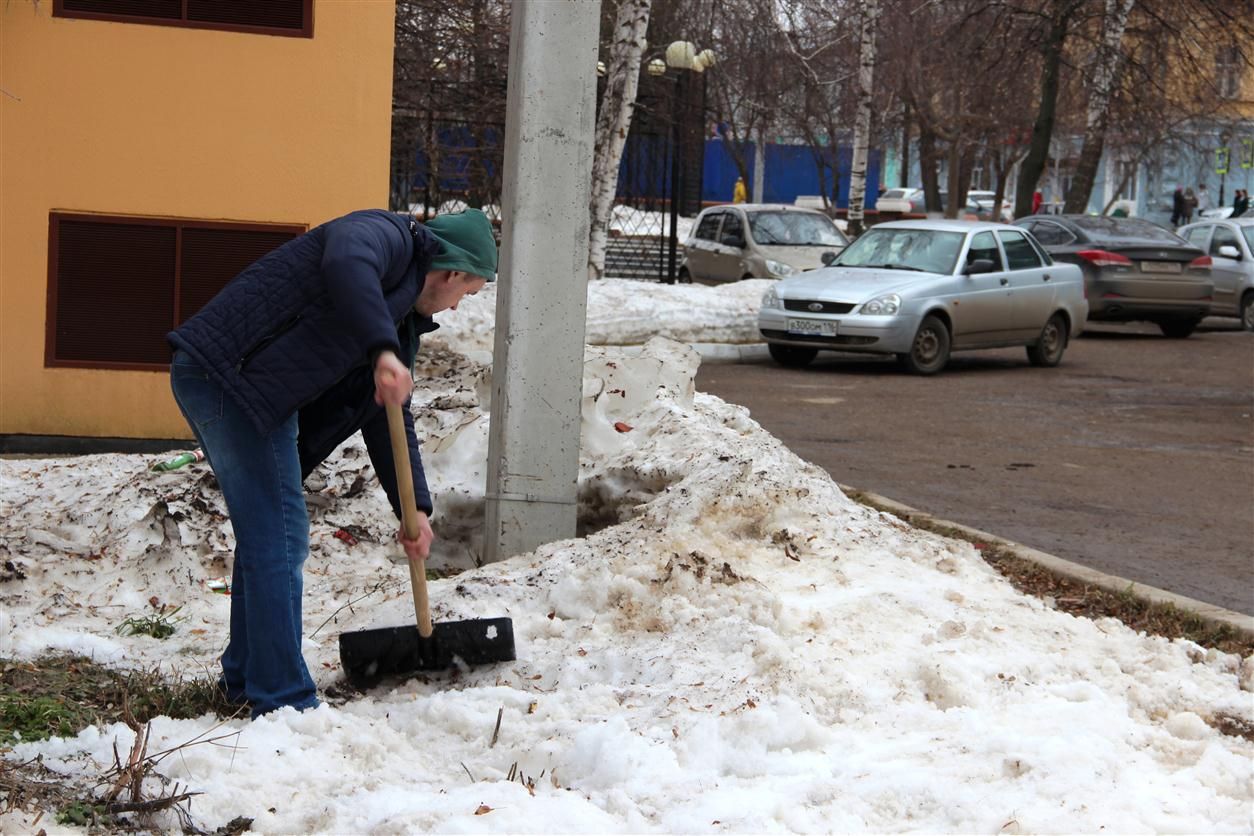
455	164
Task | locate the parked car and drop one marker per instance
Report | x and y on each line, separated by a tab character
922	289
900	200
983	201
1219	213
905	201
1230	245
758	241
1133	269
979	203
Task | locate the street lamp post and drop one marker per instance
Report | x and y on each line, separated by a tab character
683	57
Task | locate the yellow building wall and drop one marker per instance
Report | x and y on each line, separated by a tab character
129	118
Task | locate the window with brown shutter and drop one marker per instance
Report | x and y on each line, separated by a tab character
117	285
271	17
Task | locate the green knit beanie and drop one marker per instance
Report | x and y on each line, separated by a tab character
469	245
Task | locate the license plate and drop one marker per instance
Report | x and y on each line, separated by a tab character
813	327
1160	267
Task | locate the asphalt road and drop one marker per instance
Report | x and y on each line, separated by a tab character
1134	457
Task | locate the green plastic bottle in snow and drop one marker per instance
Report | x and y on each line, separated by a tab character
180	460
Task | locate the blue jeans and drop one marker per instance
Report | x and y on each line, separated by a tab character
261	482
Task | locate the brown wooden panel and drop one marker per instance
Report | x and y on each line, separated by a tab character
211	257
114	292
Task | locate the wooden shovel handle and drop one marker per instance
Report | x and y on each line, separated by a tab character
409	515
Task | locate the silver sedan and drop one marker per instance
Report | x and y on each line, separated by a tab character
1230	245
922	289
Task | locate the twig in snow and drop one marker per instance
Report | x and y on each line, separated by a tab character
364	595
500	712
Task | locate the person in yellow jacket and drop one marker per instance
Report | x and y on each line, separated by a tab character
739	194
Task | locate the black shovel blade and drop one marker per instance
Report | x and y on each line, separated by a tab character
369	655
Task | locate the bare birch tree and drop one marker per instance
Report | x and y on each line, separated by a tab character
614	121
869	17
1106	66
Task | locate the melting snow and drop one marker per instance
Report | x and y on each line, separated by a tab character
730	645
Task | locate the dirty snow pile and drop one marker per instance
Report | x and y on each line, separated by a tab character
622	312
731	645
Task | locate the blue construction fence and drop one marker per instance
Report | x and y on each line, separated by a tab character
791	171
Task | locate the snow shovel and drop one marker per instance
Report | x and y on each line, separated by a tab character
369	655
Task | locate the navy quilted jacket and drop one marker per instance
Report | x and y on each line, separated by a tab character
295	331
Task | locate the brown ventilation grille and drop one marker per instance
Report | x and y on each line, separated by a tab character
116	286
269	17
167	9
211	257
115	292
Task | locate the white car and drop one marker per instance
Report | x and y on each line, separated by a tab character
900	200
922	289
984	200
979	203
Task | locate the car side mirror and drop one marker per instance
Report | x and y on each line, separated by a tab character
827	259
1229	251
980	265
733	241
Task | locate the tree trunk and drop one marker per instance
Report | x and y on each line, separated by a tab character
1043	129
1105	73
862	119
614	121
904	179
962	161
954	180
927	168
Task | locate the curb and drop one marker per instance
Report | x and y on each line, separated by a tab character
730	352
710	352
1210	613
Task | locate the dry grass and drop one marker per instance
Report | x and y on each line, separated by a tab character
61	695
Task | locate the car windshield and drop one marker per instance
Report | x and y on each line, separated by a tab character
1114	229
794	229
895	194
928	250
1248	232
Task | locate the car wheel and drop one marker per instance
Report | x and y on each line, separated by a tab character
1247	310
1047	352
1177	329
794	357
684	276
930	350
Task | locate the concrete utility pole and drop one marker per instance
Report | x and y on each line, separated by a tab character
541	303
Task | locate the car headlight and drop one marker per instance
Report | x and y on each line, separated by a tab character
885	305
770	299
779	268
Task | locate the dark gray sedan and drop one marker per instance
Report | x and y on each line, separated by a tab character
1133	269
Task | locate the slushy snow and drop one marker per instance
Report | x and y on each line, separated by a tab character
731	644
